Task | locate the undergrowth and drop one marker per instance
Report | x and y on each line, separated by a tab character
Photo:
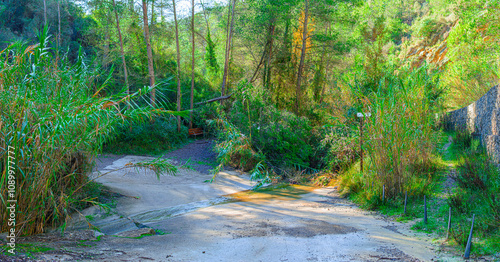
148	138
477	192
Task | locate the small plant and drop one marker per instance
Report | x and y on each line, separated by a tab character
261	174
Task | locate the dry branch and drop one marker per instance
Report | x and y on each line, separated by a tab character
214	99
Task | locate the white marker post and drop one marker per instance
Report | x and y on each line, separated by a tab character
362	116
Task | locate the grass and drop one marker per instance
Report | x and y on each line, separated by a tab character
400	133
403	153
28	249
477	192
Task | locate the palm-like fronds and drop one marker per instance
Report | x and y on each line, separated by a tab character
55	118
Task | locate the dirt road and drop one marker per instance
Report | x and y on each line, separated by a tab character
222	221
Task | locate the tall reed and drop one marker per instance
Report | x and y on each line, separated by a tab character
400	132
54	119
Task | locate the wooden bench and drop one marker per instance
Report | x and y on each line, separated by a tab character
195	131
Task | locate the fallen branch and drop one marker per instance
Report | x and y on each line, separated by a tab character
214	99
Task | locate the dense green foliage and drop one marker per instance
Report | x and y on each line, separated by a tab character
53	122
295	91
149	138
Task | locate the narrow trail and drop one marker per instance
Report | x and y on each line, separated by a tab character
223	221
449	183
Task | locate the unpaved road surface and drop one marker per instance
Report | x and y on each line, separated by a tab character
198	221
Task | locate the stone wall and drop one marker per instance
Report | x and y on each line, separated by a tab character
481	118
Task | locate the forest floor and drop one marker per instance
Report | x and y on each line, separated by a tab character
182	218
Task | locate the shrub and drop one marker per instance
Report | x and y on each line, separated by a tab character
233	147
286	139
341	143
462	140
149	138
478	192
479	178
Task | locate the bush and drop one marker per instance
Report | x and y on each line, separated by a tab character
478	193
341	142
149	138
234	148
462	140
287	140
479	178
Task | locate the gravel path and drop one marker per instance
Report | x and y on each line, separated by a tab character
198	155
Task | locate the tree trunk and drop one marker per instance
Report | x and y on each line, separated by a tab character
161	11
192	64
205	15
270	54
228	48
327	66
253	78
152	13
266	54
59	24
150	52
178	68
121	50
302	58
45	12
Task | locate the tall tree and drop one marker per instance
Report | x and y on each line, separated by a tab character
298	89
150	52
192	64
177	75
121	48
58	23
228	48
210	58
45	12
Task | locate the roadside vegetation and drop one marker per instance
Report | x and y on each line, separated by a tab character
53	123
277	83
476	191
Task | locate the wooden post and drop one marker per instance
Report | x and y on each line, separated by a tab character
361	143
406	198
469	241
383	193
449	224
425	210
